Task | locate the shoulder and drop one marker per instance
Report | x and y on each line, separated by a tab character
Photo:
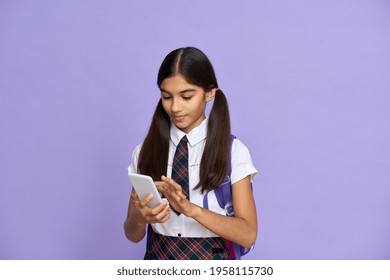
137	149
238	147
136	152
241	162
133	167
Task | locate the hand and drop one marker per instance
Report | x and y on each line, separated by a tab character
145	215
174	194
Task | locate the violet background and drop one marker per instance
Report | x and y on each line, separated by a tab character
308	84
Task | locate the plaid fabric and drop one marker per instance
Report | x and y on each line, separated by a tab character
180	166
164	247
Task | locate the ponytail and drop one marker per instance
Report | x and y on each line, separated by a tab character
215	159
153	157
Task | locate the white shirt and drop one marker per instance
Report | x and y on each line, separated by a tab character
242	167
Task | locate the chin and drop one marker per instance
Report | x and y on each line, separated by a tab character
182	127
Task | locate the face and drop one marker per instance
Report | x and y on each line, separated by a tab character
184	103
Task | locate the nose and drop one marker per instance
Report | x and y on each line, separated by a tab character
175	106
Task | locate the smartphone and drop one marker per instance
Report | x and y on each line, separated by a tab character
143	186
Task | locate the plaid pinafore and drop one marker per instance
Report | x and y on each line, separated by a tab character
163	247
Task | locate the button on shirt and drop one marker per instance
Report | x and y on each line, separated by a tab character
242	167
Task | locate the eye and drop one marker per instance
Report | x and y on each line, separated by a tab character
166	97
187	97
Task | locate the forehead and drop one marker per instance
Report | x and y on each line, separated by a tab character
177	83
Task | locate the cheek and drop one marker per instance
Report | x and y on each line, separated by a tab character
202	102
165	105
199	106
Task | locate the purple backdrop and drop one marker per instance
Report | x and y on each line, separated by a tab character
308	84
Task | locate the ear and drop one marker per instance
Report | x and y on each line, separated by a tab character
210	95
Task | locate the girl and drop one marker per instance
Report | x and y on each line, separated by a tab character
187	154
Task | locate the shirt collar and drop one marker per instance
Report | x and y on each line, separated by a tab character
195	136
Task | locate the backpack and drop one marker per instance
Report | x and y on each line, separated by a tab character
224	197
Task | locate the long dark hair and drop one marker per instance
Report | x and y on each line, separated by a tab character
196	69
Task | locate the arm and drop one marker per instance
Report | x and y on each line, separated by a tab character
138	215
241	229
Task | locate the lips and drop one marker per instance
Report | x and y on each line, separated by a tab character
178	118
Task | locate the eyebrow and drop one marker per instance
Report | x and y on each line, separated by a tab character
181	92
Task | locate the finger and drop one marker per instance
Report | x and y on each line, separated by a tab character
159	184
163	220
157	215
182	196
171	182
159	208
134	195
161	190
170	186
162	215
175	197
162	187
145	201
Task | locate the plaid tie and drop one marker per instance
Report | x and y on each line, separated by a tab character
180	166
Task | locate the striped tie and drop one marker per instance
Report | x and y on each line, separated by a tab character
180	166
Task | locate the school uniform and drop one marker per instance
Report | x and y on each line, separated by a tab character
180	226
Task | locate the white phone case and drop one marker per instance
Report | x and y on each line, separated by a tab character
144	185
